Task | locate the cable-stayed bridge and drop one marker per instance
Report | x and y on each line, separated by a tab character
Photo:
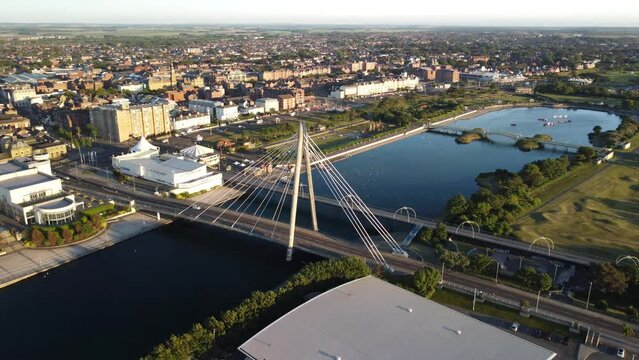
276	178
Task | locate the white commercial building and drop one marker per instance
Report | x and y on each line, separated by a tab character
201	154
30	194
204	106
254	110
227	113
269	104
176	172
191	121
379	87
134	88
370	318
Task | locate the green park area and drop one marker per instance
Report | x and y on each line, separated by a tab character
597	213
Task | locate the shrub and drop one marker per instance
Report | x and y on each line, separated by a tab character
601	305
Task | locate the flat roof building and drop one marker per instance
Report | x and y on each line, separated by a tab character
369	318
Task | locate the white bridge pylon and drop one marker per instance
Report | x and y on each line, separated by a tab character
278	174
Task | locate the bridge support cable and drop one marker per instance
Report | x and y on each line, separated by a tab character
325	164
354	220
242	183
257	190
350	209
240	175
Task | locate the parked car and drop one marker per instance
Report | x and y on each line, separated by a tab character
566	340
197	207
621	353
514	326
539	333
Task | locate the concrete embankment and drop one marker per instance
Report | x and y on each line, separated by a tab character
27	262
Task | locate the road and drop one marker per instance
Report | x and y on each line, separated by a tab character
327	246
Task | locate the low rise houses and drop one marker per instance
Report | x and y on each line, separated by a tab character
190	121
31	194
204	106
176	172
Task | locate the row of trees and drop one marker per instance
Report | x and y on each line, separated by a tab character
219	336
503	194
626	129
616	285
66	234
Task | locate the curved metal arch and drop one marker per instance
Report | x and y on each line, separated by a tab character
548	241
472	227
621	258
408	210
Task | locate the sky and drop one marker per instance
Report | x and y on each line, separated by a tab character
371	12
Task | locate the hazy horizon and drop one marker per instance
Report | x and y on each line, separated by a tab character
493	13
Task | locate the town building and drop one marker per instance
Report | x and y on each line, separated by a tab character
31	194
14	93
133	87
283	74
201	154
190	121
227	112
369	318
286	102
55	150
121	121
269	104
13	122
159	82
446	75
375	87
176	172
204	106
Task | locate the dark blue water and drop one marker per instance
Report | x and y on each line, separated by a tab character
120	302
424	171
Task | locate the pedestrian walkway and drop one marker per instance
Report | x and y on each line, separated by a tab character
24	263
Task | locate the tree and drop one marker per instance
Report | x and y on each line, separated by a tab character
454	260
96	219
532	176
585	153
527	276
628	330
67	235
426	235
524	304
425	281
457	207
441	233
52	237
544	282
37	237
482	264
597	130
608	279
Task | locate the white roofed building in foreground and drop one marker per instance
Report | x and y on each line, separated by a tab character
369	318
31	194
180	174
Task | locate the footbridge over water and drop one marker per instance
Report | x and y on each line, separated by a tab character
487	133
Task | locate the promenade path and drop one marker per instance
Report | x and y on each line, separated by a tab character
27	262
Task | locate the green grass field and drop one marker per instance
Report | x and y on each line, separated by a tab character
584	100
597	214
455	299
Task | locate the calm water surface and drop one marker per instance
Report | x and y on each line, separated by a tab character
425	170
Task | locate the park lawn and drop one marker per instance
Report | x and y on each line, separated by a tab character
600	215
588	100
455	299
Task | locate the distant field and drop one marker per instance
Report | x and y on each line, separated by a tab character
599	215
583	99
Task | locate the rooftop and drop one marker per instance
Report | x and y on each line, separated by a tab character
26	180
371	319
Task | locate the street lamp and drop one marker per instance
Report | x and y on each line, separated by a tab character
408	210
472	227
589	290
